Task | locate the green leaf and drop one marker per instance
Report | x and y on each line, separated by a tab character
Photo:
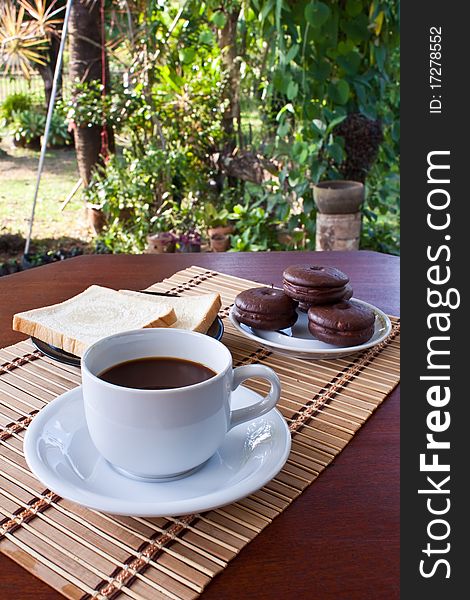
344	47
361	94
292	90
339	91
283	81
336	121
267	8
206	37
317	169
357	28
318	126
302	158
317	13
279	81
380	54
350	62
292	53
320	70
312	110
286	108
336	152
283	129
219	19
396	131
353	7
187	55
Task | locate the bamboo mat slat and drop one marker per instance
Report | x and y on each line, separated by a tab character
85	554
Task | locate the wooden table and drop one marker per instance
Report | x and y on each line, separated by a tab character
340	538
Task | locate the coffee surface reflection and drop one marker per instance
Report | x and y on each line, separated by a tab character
157	373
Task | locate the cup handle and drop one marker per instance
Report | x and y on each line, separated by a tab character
240	415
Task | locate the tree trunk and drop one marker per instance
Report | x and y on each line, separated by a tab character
85	66
85	41
47	71
87	149
227	40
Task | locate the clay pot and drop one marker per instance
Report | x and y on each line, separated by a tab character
95	218
161	243
189	247
338	197
126	214
34	144
219	242
286	237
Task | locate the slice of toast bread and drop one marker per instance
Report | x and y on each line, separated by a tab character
195	313
75	324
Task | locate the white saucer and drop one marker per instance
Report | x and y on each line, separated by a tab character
59	451
298	342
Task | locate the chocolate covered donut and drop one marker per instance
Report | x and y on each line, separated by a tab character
346	323
347	295
313	285
265	308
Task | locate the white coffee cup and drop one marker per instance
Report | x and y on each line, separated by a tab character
166	433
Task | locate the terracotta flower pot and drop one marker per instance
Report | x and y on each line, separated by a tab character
95	218
161	243
289	238
338	197
33	144
190	247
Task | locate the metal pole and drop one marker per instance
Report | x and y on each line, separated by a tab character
50	111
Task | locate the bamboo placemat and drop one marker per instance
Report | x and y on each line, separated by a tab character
86	554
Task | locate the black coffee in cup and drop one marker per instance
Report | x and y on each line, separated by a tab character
156	373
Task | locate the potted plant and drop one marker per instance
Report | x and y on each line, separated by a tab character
218	227
217	221
190	241
163	242
28	127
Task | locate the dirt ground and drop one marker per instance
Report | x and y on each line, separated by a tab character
53	228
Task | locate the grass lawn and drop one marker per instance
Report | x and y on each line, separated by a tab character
52	227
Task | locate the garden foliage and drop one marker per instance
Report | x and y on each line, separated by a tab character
24	116
242	107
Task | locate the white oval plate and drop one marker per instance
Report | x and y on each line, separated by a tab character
59	451
298	342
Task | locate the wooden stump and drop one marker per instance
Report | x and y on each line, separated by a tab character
338	232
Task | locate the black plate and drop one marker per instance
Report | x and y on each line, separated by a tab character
216	330
56	353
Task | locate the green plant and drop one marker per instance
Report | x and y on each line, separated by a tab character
215	217
255	226
142	193
59	134
380	230
206	81
85	108
327	61
14	103
28	127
